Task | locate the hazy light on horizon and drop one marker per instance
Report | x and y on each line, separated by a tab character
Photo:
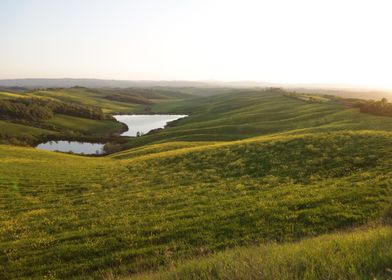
305	41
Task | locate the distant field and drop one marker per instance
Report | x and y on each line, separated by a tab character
10	95
69	126
61	123
234	115
97	98
315	98
245	114
81	96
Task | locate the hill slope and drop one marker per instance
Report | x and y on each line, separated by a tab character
75	123
249	113
274	169
69	216
362	254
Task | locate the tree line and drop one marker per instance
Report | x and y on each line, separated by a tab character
380	108
38	109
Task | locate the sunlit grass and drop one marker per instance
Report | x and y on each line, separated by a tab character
274	170
72	216
362	254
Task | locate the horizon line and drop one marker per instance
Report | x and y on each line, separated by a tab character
215	82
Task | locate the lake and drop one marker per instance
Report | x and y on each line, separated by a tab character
142	124
73	146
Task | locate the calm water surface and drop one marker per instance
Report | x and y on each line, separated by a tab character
145	123
73	146
141	124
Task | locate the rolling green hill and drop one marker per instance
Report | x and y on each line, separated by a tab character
99	97
70	126
245	168
13	132
83	125
71	216
232	115
362	254
243	114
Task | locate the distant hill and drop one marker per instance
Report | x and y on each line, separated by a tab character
209	87
96	83
347	93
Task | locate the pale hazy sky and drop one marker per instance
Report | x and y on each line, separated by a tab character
303	41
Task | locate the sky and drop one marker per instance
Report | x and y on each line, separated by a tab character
334	42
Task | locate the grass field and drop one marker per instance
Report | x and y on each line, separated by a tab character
85	97
7	95
274	170
245	114
86	126
69	126
97	98
13	129
70	216
59	125
362	254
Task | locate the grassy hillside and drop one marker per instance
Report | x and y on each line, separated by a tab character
85	97
12	129
107	100
13	133
7	95
244	168
362	254
69	216
87	126
231	115
244	114
158	148
98	97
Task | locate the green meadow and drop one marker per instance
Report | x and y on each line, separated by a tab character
252	185
83	125
360	254
248	113
29	132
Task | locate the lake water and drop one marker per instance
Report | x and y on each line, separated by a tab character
141	124
73	146
145	123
